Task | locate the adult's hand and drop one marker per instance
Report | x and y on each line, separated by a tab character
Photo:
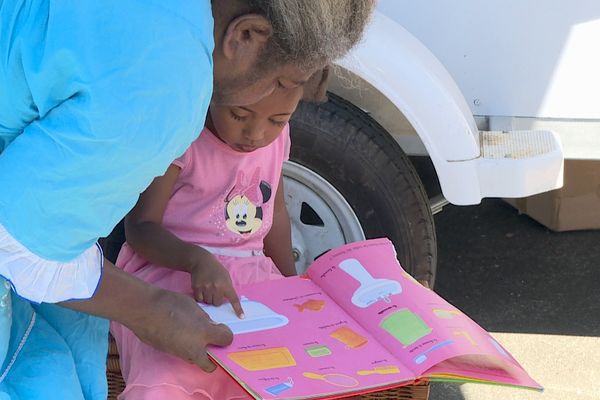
168	321
180	327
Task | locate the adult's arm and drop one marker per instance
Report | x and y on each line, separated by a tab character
99	114
168	321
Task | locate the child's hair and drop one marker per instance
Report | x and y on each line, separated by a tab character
315	90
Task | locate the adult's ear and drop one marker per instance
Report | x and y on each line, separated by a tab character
246	36
315	90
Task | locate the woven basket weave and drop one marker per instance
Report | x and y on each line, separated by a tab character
411	392
116	383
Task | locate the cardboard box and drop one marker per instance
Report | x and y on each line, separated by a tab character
576	206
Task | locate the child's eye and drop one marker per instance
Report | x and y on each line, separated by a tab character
237	117
279	123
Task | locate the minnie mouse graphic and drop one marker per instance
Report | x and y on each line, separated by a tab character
243	209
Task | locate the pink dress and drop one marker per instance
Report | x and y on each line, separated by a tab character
223	201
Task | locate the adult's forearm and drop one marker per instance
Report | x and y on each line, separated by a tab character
169	321
119	297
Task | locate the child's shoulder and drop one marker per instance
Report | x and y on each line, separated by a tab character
206	141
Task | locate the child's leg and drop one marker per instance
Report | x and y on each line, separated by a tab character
153	375
159	392
246	270
162	392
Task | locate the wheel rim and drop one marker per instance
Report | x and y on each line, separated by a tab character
320	216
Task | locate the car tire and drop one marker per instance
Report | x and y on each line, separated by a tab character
344	147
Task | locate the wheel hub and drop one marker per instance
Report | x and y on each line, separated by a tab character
320	216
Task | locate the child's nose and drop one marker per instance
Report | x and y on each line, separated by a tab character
255	133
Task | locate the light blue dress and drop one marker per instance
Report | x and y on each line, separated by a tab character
52	352
96	99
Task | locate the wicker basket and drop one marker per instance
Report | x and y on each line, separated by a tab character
116	383
411	392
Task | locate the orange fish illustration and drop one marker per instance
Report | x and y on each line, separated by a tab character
312	305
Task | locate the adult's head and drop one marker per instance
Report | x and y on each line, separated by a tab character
263	44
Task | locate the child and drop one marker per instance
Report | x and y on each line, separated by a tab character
202	227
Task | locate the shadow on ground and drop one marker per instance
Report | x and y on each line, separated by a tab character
511	274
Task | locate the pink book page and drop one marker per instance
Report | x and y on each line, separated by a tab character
414	323
295	343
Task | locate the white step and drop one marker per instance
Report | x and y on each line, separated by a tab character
519	163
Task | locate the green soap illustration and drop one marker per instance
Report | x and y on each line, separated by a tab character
318	351
406	326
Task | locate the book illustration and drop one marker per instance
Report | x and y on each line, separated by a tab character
421	358
498	347
318	350
334	379
280	387
331	347
258	317
445	314
350	338
263	359
311	305
371	290
383	370
467	336
405	326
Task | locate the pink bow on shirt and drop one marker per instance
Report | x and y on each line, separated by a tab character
251	189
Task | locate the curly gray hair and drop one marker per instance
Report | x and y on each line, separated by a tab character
311	33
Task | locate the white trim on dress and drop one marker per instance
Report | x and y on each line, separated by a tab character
40	280
222	251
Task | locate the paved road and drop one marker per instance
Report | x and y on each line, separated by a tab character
536	290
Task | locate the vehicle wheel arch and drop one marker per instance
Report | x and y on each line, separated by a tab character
400	83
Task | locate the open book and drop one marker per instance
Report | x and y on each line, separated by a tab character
355	323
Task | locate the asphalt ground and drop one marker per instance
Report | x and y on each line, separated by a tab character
534	289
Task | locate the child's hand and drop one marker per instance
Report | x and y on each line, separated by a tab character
212	284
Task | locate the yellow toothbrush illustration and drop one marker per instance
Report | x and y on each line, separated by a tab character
383	370
467	336
445	314
334	379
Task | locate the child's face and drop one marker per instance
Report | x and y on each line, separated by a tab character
247	128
